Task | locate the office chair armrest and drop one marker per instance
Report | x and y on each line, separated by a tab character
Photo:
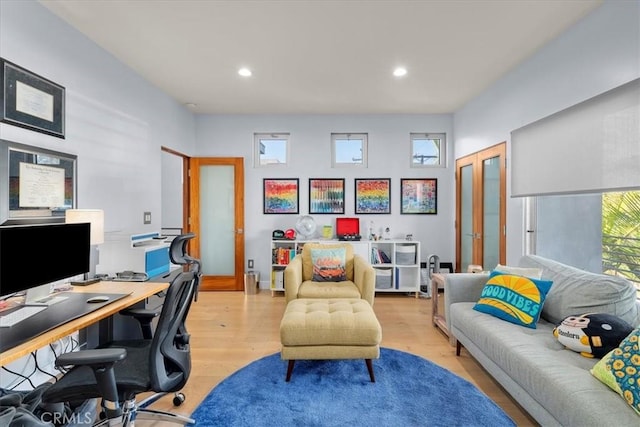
139	313
92	357
101	362
144	317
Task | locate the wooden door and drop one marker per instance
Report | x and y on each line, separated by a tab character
481	208
216	216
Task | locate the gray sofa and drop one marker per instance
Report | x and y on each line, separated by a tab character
551	383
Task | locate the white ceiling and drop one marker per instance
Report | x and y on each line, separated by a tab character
322	57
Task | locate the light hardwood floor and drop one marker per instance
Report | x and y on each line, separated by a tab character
230	330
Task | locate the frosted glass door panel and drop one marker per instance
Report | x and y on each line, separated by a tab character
491	212
466	222
217	222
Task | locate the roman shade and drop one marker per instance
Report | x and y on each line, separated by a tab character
593	146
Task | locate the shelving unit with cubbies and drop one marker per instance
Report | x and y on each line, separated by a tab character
282	252
397	262
397	265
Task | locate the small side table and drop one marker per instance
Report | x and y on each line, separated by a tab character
439	321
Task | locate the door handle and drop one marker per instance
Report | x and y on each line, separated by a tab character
239	231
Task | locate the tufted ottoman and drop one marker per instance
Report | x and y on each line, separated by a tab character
318	329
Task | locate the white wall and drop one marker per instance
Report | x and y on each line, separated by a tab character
310	157
116	122
597	54
172	197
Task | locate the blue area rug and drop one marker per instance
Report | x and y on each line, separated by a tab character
409	391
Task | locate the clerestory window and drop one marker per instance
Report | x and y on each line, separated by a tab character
428	150
271	149
349	149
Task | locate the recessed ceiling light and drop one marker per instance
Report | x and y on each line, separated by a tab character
191	105
400	71
244	72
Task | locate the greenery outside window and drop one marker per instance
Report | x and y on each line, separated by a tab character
605	239
428	150
349	149
621	235
271	149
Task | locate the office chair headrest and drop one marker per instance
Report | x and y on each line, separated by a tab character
178	249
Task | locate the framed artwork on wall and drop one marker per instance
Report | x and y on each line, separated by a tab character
373	195
39	185
281	195
419	196
326	196
31	101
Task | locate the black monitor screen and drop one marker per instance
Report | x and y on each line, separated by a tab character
33	255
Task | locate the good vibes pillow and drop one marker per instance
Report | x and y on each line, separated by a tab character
513	298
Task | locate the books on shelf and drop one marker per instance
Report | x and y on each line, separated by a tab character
379	256
277	279
282	256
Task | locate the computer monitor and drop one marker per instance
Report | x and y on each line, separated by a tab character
34	255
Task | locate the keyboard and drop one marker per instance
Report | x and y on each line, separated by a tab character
19	315
49	300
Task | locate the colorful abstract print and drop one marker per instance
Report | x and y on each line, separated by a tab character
516	299
419	196
373	196
281	196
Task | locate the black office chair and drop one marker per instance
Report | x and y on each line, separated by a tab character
179	256
120	370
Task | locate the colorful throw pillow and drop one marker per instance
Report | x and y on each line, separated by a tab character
592	335
516	299
329	265
620	370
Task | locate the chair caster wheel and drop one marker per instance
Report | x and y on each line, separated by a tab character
178	399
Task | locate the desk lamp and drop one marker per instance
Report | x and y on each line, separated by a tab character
95	217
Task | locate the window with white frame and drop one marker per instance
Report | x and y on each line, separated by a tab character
349	149
605	240
271	149
428	150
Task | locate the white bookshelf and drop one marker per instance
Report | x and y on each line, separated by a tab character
398	272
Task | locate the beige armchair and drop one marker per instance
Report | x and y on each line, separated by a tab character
360	275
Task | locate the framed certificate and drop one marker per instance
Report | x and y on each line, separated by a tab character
31	101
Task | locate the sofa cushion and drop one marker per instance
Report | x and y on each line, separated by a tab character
534	273
516	299
620	370
327	290
329	264
556	378
577	291
307	263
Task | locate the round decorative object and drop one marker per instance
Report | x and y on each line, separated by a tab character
306	226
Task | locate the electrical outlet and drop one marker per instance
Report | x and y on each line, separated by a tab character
147	217
250	263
